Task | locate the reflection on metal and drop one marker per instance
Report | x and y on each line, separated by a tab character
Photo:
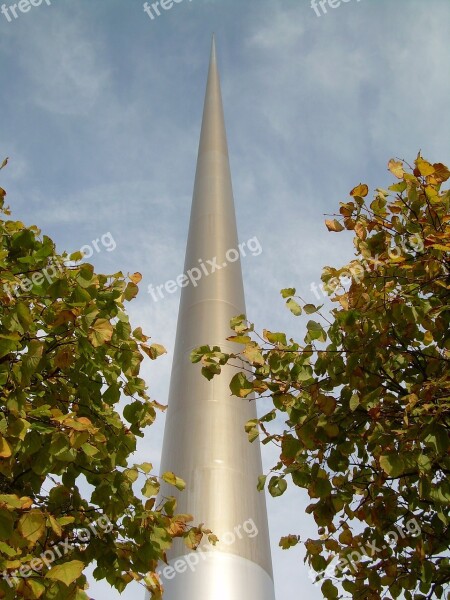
204	440
219	576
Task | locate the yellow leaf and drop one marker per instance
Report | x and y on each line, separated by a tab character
424	167
334	225
136	277
67	573
172	479
100	332
55	525
360	190
32	525
26	502
428	338
253	355
36	588
396	168
5	449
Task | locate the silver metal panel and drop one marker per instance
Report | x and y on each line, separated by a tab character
216	576
204	439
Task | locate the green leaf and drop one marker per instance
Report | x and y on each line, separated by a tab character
294	307
439	439
6	524
392	464
354	402
151	488
329	590
310	309
239	324
67	573
240	339
240	386
288	292
277	486
289	541
275	338
261	482
172	479
146	467
198	353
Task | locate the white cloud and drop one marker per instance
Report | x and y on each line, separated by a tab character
65	65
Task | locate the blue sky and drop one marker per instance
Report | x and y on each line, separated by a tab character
100	117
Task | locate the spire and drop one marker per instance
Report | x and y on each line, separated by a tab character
204	439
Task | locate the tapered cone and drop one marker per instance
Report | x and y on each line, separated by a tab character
204	439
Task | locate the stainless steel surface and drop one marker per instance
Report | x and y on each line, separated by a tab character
214	576
204	439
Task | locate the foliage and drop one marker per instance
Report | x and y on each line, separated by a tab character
366	397
67	355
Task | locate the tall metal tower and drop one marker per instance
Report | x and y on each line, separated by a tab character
204	439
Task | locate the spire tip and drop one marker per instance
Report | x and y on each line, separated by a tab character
213	48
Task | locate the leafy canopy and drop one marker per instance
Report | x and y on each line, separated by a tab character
67	355
366	396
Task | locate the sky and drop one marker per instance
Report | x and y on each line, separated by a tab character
100	115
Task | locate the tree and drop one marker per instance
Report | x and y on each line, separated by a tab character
67	355
366	397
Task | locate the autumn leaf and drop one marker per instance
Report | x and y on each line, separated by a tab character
32	526
68	355
5	448
360	190
64	358
424	167
334	225
396	168
67	573
153	351
358	408
172	479
100	332
136	278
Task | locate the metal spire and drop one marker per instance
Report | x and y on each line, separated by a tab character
204	440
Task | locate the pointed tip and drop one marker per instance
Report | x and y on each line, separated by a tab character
213	48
